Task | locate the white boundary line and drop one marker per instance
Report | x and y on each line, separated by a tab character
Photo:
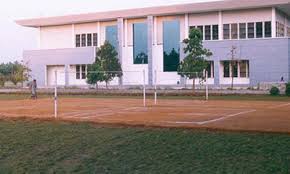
214	120
279	106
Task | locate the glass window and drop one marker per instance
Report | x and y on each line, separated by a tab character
244	66
84	40
78	40
226	31
215	32
234	31
280	29
268	29
243	33
171	45
207	32
95	39
201	30
210	69
78	72
226	68
84	72
251	30
140	50
89	40
259	29
234	65
112	35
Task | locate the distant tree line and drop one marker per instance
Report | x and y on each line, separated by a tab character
15	72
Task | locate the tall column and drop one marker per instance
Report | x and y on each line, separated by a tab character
150	35
66	75
220	25
274	22
186	35
73	35
120	25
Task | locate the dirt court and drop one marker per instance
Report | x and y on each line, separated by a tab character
268	116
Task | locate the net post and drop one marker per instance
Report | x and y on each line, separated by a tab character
55	95
144	89
206	86
155	87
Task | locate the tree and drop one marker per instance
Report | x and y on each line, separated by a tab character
106	66
233	64
15	72
195	61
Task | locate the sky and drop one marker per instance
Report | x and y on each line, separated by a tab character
14	39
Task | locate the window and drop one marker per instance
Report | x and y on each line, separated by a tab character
234	66
84	71
78	40
201	30
226	31
226	68
140	48
280	29
243	32
259	29
234	31
244	69
210	69
83	40
78	72
237	69
89	40
81	72
268	29
251	30
95	39
112	35
207	32
171	45
215	32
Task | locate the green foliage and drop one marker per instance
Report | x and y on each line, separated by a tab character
195	61
274	91
15	72
106	66
287	92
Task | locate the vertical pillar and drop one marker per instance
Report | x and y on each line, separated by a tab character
274	22
220	25
120	26
66	75
285	26
99	34
73	35
217	72
150	33
186	34
39	38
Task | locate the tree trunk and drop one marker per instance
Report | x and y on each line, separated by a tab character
97	86
106	85
193	86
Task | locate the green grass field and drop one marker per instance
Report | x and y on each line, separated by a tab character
58	147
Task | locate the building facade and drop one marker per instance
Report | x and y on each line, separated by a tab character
249	40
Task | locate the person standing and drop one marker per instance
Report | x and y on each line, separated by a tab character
33	88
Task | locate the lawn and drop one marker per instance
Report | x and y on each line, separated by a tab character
59	147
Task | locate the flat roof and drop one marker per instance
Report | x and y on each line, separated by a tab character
224	5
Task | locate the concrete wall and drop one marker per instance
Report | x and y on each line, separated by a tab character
250	15
38	60
269	58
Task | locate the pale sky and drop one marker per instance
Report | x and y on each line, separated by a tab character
14	39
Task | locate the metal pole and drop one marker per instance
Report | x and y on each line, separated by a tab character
55	96
144	89
155	87
206	86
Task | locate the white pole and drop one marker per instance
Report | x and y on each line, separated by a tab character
155	87
206	86
55	95
144	89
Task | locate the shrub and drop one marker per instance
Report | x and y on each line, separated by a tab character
274	91
287	92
